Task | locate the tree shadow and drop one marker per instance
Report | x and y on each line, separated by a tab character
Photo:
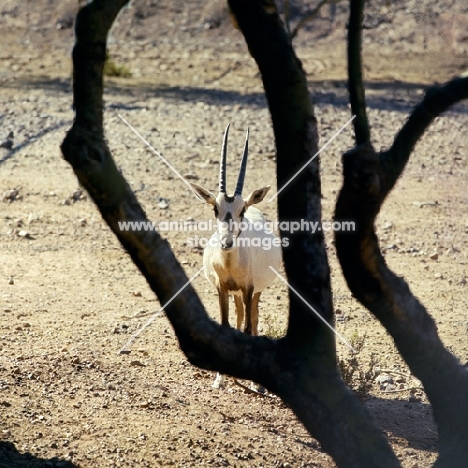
10	457
394	95
412	421
33	138
398	96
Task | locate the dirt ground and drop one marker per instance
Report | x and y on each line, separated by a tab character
68	291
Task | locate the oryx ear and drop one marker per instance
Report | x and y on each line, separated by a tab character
203	194
257	196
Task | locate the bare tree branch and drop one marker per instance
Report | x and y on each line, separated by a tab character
205	343
436	101
368	178
355	83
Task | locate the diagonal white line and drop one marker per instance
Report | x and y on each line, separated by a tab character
313	310
312	158
159	313
159	155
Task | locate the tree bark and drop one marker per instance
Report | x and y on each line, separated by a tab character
357	96
368	178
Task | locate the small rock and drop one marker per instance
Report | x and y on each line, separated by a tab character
24	234
434	256
438	276
5	403
163	205
11	280
384	379
8	142
11	195
137	363
76	360
78	195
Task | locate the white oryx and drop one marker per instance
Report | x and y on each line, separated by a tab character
238	255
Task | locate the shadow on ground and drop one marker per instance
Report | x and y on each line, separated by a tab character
405	420
10	457
400	96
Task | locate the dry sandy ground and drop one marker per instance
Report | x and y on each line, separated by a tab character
68	291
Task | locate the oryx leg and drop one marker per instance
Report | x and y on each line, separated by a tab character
247	297
255	301
239	310
223	297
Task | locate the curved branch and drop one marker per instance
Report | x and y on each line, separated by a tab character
436	101
204	342
368	178
355	84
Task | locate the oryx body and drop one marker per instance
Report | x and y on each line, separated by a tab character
238	255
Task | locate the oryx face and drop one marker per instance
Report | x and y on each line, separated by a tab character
230	210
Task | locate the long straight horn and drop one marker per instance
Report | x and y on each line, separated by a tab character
243	167
222	163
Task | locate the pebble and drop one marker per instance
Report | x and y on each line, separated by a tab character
11	195
137	363
24	234
384	379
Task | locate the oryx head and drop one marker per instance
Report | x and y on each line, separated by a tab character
230	210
